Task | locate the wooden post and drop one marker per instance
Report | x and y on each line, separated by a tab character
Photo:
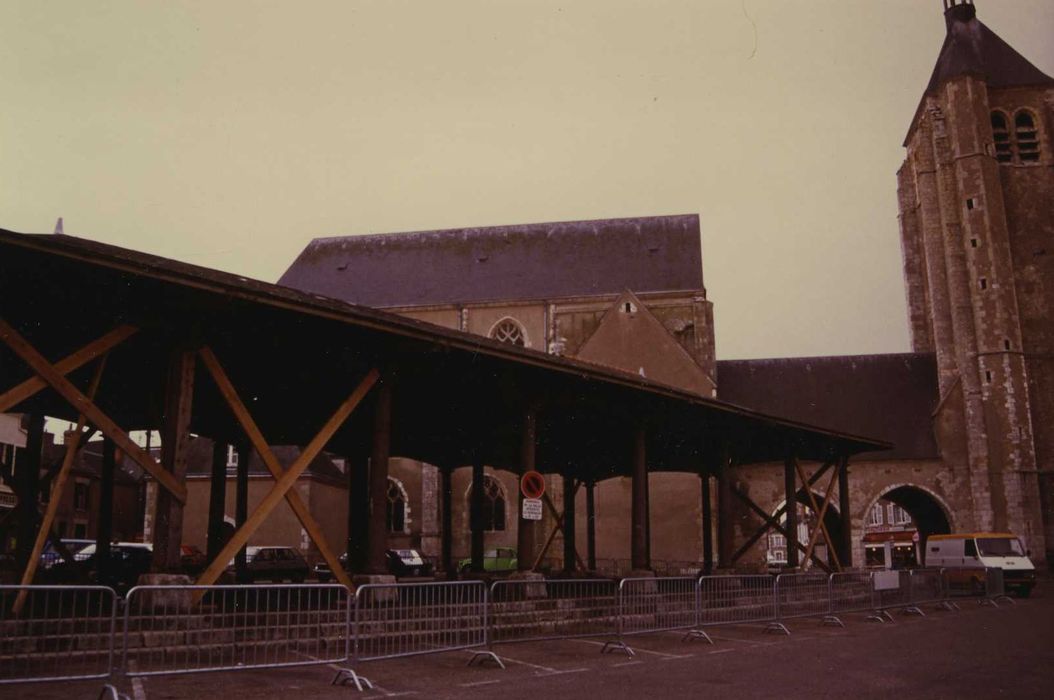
358	513
725	557
843	510
525	528
591	526
708	526
27	474
791	491
376	563
217	499
475	516
639	513
104	532
241	508
175	438
446	492
569	523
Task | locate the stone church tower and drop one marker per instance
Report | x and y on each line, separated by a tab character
976	195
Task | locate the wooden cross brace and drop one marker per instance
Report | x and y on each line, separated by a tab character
284	481
773	523
559	517
252	431
821	512
54	376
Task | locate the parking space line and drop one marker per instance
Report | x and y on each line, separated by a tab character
628	663
721	651
476	683
558	673
635	648
521	663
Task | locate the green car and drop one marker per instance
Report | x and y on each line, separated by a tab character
498	559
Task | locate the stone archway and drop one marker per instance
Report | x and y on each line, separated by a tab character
832	520
929	513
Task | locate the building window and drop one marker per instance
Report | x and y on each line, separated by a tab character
509	331
1026	136
874	518
80	530
396	509
493	512
80	495
1001	134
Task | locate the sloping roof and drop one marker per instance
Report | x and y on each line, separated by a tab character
971	48
889	396
637	342
199	461
531	261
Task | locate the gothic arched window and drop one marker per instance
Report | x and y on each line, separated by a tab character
1001	134
509	331
396	506
493	511
1026	136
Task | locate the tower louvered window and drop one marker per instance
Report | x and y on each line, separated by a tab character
1000	132
1026	137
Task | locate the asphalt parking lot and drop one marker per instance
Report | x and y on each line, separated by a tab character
975	652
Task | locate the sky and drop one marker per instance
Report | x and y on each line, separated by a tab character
229	134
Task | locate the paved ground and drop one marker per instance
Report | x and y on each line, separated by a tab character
976	652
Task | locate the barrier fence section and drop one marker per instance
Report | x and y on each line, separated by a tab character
659	605
737	600
804	595
851	592
410	619
190	629
532	610
52	633
927	587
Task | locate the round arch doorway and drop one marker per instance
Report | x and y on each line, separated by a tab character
899	521
776	546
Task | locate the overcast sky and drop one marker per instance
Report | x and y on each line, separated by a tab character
229	134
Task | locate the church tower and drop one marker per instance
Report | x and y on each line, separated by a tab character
976	197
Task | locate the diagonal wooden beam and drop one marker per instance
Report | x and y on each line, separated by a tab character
821	526
47	372
558	527
771	523
758	534
73	439
98	347
287	480
252	431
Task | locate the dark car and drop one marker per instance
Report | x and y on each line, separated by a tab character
127	562
324	574
274	564
408	562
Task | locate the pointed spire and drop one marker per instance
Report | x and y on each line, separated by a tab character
58	226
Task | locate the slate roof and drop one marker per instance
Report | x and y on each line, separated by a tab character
530	261
971	48
889	396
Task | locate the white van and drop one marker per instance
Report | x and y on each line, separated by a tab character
977	550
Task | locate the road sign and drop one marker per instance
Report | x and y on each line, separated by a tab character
532	485
532	509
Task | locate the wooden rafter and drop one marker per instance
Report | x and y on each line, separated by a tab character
47	372
287	480
58	487
758	534
98	347
558	527
259	443
821	512
773	523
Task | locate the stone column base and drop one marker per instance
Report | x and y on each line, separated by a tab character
389	594
535	588
179	599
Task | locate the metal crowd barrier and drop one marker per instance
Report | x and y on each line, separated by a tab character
191	629
533	610
737	600
56	633
851	592
409	619
648	605
804	595
995	587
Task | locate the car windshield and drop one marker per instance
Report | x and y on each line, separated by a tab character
1000	547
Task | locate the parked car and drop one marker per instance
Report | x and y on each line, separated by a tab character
274	564
408	562
322	571
50	556
494	560
128	561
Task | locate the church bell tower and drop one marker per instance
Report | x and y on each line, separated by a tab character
976	197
